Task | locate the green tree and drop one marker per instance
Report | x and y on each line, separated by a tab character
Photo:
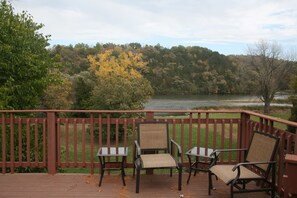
120	94
24	59
58	95
24	67
83	85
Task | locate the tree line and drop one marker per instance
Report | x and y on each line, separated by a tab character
176	71
186	70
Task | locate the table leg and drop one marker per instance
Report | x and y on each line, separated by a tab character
190	169
123	170
196	165
102	167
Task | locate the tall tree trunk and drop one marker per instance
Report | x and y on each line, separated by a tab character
266	108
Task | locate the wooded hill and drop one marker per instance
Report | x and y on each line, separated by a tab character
179	70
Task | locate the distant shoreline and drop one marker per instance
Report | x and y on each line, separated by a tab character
210	101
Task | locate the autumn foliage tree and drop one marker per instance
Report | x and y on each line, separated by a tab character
120	84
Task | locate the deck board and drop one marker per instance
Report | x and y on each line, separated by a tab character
82	185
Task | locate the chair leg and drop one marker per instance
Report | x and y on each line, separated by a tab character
209	183
272	193
231	190
180	178
137	179
273	181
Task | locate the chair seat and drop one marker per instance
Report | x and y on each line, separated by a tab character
164	160
225	173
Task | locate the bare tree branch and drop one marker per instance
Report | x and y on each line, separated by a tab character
266	60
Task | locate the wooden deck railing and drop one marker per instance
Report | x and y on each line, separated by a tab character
70	139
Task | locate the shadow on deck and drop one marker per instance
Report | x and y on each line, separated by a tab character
83	185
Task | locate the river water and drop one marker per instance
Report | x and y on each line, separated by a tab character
190	102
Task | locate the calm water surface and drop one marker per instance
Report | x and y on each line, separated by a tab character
190	102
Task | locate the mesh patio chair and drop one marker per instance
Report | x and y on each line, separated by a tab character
256	166
153	150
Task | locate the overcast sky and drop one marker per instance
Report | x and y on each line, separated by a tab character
226	26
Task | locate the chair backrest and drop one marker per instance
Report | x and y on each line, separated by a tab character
262	149
153	135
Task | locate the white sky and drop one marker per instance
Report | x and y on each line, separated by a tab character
226	26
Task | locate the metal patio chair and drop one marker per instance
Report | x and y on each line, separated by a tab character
154	150
256	166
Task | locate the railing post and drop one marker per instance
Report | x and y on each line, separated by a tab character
295	145
243	133
149	116
3	144
51	132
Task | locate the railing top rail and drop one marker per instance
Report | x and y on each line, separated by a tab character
275	119
123	111
157	111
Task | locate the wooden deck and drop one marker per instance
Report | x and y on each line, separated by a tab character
82	185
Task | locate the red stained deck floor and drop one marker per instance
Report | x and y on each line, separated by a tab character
81	185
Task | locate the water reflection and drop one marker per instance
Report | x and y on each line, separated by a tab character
190	102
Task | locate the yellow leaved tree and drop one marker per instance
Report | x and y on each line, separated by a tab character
120	84
117	63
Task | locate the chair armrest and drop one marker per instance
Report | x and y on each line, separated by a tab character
215	154
178	153
178	147
251	163
226	150
237	167
137	149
